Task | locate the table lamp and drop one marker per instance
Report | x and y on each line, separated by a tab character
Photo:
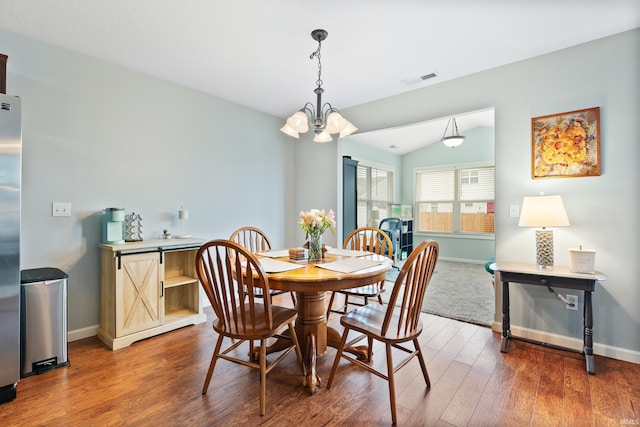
182	215
543	211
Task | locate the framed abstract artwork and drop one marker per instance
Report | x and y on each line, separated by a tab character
566	144
3	73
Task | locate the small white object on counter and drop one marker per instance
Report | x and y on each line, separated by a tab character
582	260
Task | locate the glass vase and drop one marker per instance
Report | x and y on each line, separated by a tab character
315	247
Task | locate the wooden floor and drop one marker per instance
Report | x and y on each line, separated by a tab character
157	382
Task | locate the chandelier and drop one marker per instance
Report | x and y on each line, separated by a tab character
455	139
324	119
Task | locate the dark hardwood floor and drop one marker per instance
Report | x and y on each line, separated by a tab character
157	382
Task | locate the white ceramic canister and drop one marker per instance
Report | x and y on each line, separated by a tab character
582	260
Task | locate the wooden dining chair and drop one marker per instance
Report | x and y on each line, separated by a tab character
256	240
398	324
369	239
231	276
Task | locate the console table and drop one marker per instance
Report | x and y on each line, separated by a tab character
148	288
557	276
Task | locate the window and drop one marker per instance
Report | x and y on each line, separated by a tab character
375	194
455	200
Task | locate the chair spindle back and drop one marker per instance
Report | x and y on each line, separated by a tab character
370	239
415	276
251	238
233	280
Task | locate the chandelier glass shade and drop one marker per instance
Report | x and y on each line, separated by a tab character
455	138
323	118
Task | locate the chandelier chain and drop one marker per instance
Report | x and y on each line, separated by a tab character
317	55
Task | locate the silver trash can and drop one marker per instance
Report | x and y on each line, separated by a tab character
43	320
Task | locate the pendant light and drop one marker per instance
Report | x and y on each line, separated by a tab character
324	119
455	138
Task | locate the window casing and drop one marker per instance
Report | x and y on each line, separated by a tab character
455	200
375	194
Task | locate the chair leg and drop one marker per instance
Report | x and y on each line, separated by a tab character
333	295
370	349
392	385
423	365
294	338
252	354
336	362
293	298
212	365
263	376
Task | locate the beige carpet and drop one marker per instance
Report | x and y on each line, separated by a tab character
458	290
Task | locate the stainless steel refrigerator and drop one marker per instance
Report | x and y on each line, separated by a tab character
10	174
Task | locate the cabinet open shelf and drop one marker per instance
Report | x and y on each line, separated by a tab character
179	281
181	298
178	314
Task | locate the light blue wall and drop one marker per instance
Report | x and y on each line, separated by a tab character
316	183
374	157
98	136
603	210
478	149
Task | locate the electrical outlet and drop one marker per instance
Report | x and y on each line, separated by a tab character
60	209
572	302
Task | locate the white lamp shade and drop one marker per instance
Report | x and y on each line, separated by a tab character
348	130
289	131
183	214
323	136
452	141
335	122
543	211
299	122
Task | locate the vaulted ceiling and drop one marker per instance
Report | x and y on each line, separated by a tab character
256	53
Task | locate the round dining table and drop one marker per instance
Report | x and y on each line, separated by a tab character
311	284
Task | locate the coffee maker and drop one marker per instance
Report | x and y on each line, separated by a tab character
113	226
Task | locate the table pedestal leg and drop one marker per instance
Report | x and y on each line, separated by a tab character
311	378
311	328
314	336
333	340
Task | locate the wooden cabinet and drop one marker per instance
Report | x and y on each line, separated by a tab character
138	284
148	288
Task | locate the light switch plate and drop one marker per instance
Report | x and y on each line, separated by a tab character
514	211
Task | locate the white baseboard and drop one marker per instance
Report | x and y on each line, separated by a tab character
570	342
516	331
78	334
468	261
92	331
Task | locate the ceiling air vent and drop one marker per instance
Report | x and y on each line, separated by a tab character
428	76
420	79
